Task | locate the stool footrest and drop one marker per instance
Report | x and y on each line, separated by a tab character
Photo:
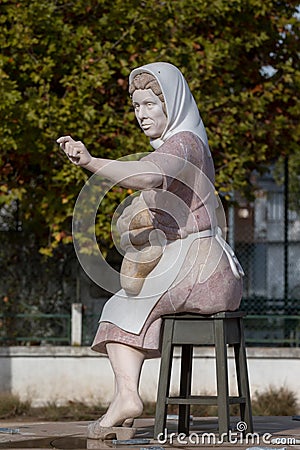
203	400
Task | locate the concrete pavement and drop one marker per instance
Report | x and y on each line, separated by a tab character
270	432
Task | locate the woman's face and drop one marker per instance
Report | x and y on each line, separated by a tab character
149	112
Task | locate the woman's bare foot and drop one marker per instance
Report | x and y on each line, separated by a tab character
122	410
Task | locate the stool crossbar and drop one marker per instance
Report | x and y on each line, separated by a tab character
188	331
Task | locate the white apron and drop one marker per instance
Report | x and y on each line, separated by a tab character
131	312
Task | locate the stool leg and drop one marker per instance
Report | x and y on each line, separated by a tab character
164	378
185	387
222	377
243	379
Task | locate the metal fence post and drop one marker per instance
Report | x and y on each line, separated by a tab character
76	324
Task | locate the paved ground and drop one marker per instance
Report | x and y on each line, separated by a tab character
271	432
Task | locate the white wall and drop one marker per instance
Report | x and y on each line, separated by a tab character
60	374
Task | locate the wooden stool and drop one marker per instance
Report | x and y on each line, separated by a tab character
187	331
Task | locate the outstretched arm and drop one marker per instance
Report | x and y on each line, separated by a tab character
129	174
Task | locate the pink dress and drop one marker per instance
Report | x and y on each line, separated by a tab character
210	285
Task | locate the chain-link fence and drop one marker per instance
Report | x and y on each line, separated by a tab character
267	242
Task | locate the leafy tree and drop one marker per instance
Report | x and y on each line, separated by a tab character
64	67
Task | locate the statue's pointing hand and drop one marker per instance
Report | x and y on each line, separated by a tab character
75	150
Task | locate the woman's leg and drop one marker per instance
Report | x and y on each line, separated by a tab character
126	363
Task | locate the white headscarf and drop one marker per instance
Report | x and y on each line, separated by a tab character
182	110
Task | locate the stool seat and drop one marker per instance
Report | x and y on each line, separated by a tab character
191	330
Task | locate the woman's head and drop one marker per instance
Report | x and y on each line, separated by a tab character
179	105
148	103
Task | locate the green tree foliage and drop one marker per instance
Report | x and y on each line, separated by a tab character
64	67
